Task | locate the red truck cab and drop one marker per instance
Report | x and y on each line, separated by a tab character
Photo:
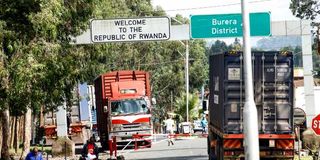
123	101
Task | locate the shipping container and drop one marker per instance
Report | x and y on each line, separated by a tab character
273	96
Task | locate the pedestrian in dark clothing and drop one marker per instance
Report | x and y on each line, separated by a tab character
90	150
34	155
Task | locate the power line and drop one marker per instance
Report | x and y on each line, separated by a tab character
186	9
217	6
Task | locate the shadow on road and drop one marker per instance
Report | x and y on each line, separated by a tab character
171	149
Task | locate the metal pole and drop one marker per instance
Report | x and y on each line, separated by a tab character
250	110
186	72
187	79
171	99
65	150
298	135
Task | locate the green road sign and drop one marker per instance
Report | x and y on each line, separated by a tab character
228	25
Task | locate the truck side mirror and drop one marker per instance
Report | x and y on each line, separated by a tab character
105	109
153	101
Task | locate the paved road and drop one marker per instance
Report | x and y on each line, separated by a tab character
183	149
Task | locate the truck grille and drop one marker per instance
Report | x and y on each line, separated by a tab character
131	126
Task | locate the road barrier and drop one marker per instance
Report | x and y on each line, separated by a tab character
113	146
136	138
141	138
139	141
205	135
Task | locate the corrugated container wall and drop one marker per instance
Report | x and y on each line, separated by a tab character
273	91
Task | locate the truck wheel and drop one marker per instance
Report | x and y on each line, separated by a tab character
210	150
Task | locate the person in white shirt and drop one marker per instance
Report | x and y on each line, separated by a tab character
169	123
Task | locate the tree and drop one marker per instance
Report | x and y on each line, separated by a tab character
218	47
309	10
236	45
164	60
199	68
305	9
297	54
30	32
38	66
181	109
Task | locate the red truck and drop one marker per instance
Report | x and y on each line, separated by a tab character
123	101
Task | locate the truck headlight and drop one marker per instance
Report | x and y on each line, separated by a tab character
116	127
145	125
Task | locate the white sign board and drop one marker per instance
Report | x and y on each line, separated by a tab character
131	29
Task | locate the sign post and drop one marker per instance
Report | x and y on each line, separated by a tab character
130	29
229	25
250	115
299	117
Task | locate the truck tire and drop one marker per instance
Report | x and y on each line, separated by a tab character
210	151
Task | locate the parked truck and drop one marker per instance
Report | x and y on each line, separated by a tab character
77	131
273	95
123	101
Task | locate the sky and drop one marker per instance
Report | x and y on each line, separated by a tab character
279	9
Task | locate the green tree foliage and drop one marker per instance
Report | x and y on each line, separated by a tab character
36	34
218	47
236	45
305	9
297	54
39	67
34	45
309	9
164	60
181	107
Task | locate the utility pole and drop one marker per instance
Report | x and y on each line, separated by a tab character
171	99
187	79
186	71
250	111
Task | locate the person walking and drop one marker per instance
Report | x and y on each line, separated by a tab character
204	124
169	124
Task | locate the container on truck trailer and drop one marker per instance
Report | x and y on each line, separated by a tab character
273	95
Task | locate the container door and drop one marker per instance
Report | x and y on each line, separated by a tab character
234	94
274	92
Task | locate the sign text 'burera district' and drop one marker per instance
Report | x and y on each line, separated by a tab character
135	29
228	25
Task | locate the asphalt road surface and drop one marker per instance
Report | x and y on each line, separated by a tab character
183	149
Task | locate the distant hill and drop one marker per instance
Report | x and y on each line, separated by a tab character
276	43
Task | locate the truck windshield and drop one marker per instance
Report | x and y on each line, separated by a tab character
129	106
